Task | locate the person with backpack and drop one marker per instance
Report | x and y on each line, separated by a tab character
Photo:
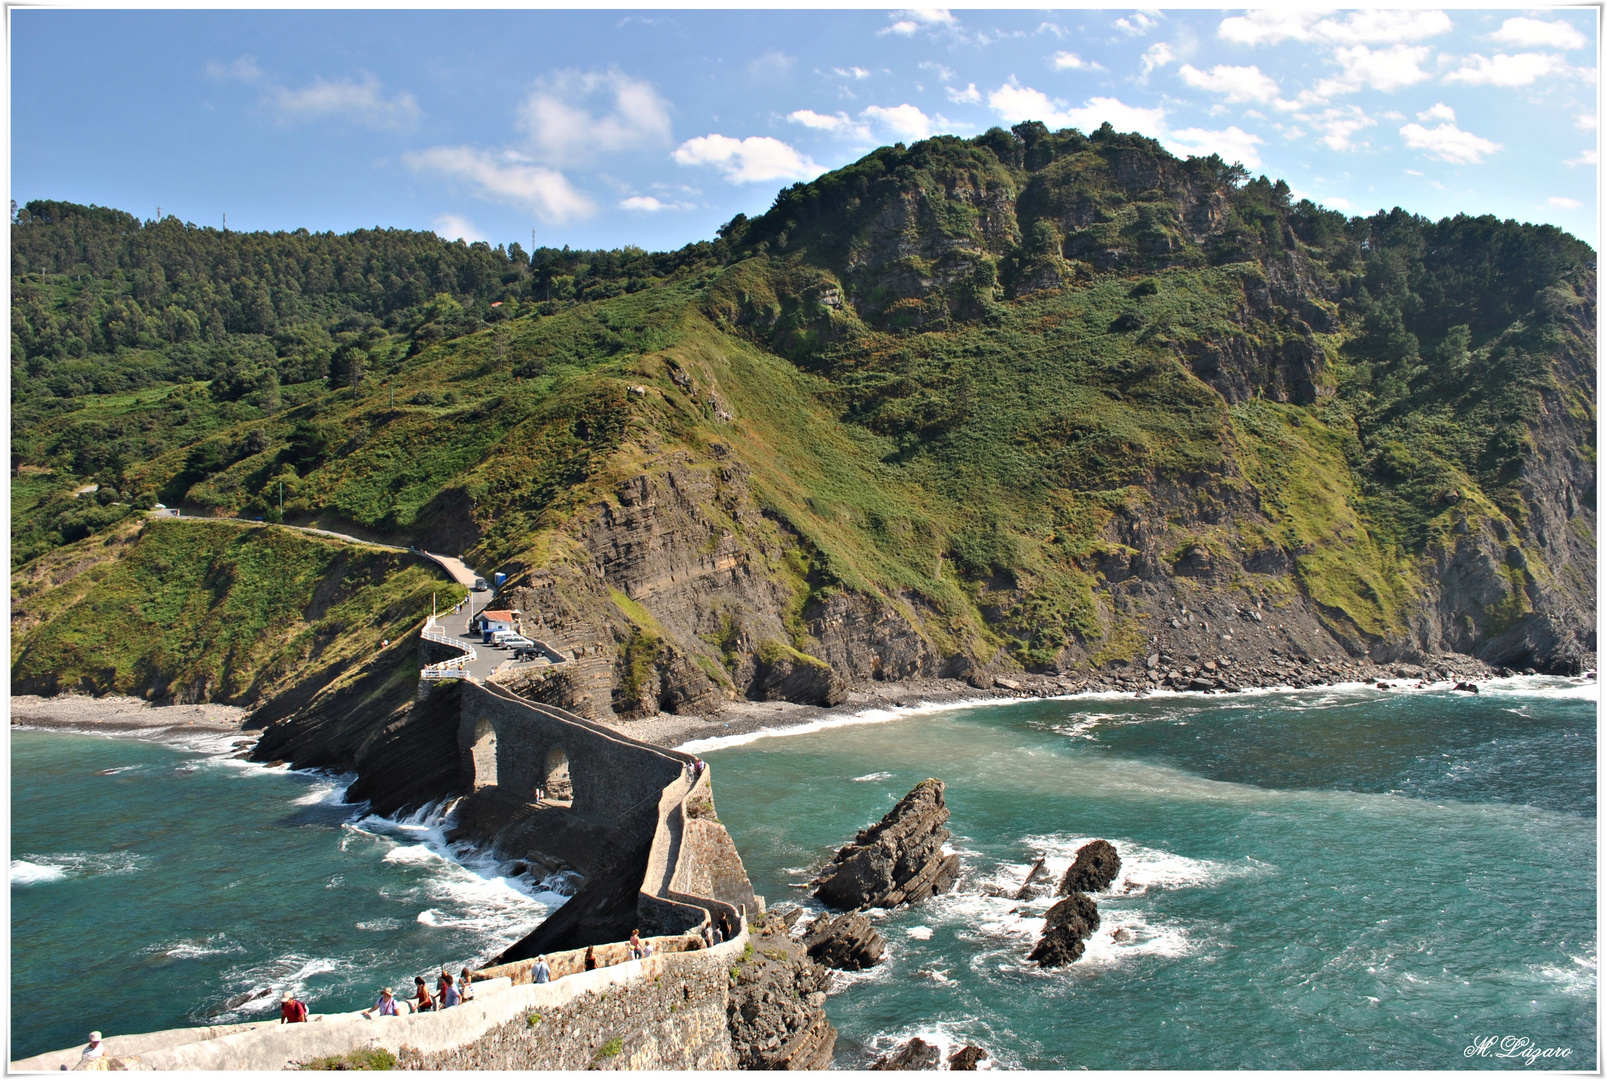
292	1011
541	973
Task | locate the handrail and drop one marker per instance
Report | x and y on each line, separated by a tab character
446	669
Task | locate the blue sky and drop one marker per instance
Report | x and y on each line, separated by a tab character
603	128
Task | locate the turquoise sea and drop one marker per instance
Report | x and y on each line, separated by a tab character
1343	878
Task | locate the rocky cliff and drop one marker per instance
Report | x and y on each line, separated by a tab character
899	860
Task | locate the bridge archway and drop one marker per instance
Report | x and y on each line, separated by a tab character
483	754
555	777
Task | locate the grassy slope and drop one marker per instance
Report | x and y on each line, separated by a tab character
211	610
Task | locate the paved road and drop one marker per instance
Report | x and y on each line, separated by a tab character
457	622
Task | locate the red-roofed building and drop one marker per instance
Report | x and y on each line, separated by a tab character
488	621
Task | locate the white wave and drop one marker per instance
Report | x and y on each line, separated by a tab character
37	869
919	933
1124	934
414	854
24	872
379	925
941	1034
430	917
873	776
328	790
263	985
195	949
866	716
1553	687
1143	868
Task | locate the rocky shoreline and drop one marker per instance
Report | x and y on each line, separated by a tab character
1189	675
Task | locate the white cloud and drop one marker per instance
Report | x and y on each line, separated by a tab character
1587	158
969	96
1585	121
1232	143
747	160
563	129
362	102
1334	202
1504	70
911	20
1268	27
243	68
1236	84
1381	69
1449	143
1138	23
946	74
772	65
905	121
811	119
1065	61
1157	55
453	227
1440	111
506	178
1338	126
1564	204
851	73
652	205
1015	103
1537	34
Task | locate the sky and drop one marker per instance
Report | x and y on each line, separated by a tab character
597	128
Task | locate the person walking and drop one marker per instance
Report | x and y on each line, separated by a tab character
466	986
448	992
636	945
292	1011
541	973
385	1006
591	958
424	1002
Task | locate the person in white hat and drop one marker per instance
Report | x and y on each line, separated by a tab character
94	1049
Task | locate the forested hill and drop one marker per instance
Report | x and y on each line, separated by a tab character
1030	400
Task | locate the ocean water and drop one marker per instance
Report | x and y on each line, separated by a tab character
1345	878
1333	879
157	886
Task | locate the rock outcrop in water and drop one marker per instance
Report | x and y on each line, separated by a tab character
847	942
915	1054
1095	867
966	1057
897	861
1066	926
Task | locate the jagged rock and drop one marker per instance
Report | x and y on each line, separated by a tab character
899	860
847	942
1066	926
965	1058
915	1054
774	1012
1472	688
1095	867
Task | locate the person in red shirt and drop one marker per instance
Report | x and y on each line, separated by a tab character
425	1002
292	1011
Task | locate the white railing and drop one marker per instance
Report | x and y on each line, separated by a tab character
457	667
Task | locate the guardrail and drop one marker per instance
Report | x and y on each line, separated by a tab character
456	668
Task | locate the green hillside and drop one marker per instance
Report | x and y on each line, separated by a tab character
976	384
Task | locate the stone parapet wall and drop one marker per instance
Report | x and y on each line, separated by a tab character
692	1041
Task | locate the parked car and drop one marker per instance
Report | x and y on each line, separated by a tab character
514	641
480	585
530	653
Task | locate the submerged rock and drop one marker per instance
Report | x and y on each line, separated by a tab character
915	1054
847	942
1095	867
899	860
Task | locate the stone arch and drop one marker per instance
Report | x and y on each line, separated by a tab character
555	776
483	754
